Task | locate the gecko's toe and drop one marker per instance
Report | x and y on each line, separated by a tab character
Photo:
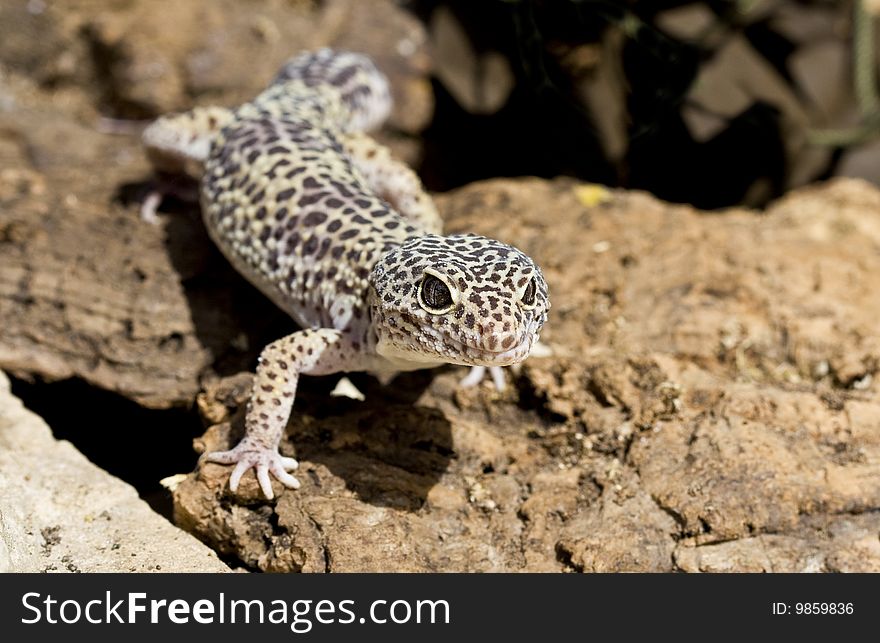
474	377
288	464
262	470
150	206
498	377
220	457
237	473
477	374
283	477
265	462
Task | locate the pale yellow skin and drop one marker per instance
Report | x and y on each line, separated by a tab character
345	239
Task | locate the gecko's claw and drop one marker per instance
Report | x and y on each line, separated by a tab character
263	460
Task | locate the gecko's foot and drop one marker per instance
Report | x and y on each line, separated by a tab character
150	205
162	186
263	460
479	372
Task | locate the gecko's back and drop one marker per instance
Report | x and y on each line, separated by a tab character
285	203
344	238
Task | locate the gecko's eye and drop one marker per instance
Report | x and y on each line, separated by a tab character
528	298
434	295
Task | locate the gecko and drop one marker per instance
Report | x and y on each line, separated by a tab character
344	238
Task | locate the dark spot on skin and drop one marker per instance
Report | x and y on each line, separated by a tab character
325	245
344	76
334	225
310	199
285	195
507	342
314	218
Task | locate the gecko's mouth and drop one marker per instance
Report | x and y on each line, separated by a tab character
486	357
444	347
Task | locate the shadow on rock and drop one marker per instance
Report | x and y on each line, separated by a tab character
230	317
385	450
388	457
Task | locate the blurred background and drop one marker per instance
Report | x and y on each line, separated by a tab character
712	103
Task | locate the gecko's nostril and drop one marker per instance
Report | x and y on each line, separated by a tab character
499	343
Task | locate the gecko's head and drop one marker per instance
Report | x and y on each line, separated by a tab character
462	299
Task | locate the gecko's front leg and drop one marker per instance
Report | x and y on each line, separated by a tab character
315	352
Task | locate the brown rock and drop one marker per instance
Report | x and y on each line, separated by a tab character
711	401
142	59
694	415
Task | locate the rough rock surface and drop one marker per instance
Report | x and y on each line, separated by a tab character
143	58
710	404
61	513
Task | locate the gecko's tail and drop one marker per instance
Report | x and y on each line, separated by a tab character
363	89
179	143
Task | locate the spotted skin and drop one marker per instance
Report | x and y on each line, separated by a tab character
343	238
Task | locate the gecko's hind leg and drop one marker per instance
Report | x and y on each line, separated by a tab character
393	181
177	146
